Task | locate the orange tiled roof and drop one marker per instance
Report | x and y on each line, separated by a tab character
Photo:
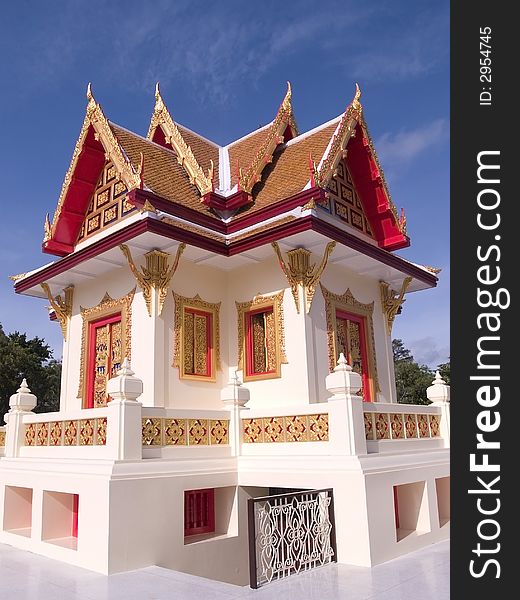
162	173
244	151
203	150
289	172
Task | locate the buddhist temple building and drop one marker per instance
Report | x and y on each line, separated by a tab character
228	404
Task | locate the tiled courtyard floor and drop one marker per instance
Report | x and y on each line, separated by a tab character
422	575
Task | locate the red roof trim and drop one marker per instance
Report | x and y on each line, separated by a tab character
367	179
309	222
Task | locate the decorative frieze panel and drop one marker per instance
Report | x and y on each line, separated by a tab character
2	438
290	428
398	426
77	432
159	431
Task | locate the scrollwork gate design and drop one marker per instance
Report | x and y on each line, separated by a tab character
290	533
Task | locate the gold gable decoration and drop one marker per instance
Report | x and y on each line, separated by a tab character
129	175
348	303
161	117
337	150
108	203
343	201
106	307
284	118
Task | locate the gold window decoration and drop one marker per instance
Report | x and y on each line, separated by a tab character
261	340
197	338
350	330
107	353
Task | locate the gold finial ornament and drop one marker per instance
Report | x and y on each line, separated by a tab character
345	130
300	273
274	136
47	228
155	275
90	95
157	91
434	270
392	301
287	101
62	306
355	102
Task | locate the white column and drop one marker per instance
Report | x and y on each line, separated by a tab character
21	404
235	396
439	395
124	415
346	424
149	348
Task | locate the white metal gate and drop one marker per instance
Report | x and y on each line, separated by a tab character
290	533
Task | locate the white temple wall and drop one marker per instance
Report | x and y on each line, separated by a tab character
303	377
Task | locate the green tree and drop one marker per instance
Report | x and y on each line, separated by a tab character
30	358
411	379
444	370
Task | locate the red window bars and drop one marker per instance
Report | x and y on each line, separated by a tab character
199	511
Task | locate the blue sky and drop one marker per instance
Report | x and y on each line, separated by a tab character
223	68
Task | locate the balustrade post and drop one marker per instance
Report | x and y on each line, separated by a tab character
346	424
21	403
124	436
439	395
235	396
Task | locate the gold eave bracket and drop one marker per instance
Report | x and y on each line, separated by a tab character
156	275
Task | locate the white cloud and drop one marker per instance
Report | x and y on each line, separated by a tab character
427	351
405	145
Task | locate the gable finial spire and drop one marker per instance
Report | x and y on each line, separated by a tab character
357	96
286	104
157	91
90	95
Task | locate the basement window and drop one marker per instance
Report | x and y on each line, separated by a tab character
199	512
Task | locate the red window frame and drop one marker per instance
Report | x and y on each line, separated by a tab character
199	511
75	508
209	341
365	375
396	507
249	349
93	325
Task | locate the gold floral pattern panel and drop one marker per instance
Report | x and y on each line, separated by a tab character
261	338
159	431
344	202
399	426
112	343
2	438
197	338
107	205
290	428
353	336
76	432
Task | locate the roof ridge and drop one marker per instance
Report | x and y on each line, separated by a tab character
312	131
144	139
241	139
